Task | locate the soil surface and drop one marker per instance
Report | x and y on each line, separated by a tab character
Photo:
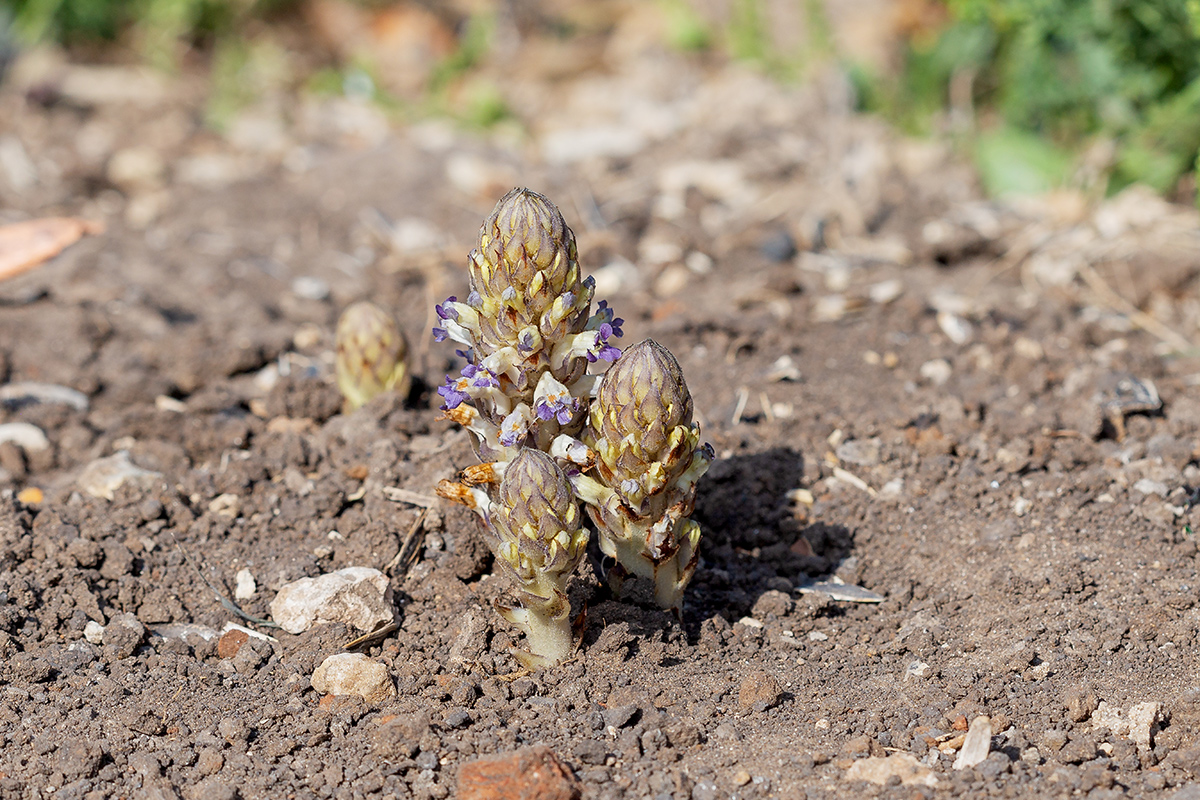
983	413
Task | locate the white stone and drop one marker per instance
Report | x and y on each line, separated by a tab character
246	587
1148	486
138	168
38	392
226	505
1144	718
28	437
358	596
880	770
16	165
93	632
937	371
354	673
917	669
104	476
310	287
885	292
1110	717
977	744
957	329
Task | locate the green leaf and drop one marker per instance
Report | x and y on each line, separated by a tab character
1014	162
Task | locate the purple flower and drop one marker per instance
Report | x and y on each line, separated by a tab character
610	325
445	311
559	409
514	428
439	334
609	353
602	349
525	345
451	393
480	378
473	299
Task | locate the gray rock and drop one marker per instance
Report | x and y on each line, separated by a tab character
590	751
620	716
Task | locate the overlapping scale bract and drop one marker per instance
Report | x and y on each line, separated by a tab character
527	318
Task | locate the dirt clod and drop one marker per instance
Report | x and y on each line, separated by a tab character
759	691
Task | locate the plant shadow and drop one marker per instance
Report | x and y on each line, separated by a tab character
753	542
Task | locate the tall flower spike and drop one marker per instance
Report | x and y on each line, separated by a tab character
648	459
526	285
371	355
538	540
526	320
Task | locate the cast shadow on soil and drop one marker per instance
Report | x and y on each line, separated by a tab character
752	537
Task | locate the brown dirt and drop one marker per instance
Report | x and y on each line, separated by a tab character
942	399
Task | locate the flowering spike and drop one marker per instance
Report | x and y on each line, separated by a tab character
648	462
371	355
537	536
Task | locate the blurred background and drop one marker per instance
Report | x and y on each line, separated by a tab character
1039	94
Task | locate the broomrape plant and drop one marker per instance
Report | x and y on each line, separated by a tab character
552	433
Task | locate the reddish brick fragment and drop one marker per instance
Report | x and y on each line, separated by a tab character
230	642
532	773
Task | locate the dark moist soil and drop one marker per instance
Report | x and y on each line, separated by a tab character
854	322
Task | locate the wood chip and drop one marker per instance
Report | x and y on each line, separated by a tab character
29	244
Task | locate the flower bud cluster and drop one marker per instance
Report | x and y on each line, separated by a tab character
372	355
528	329
553	434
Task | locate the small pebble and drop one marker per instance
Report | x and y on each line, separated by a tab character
104	476
246	587
620	716
93	632
230	642
354	674
457	718
533	772
29	438
937	371
778	246
310	288
22	393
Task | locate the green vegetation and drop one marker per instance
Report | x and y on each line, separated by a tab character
160	28
1046	77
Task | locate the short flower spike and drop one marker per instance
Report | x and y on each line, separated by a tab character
372	355
649	458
